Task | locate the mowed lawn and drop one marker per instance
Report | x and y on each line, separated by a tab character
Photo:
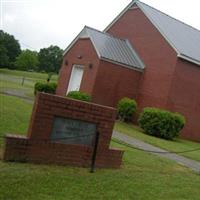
31	75
21	82
177	145
143	176
14	115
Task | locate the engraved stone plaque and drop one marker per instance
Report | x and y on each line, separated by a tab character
72	131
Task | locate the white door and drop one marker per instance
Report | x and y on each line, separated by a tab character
75	79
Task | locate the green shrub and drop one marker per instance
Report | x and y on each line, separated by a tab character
45	87
79	96
126	108
161	123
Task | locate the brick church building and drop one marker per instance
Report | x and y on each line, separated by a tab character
143	54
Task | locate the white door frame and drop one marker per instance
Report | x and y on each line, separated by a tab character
72	76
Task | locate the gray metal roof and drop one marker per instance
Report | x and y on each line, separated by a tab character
114	49
184	38
110	48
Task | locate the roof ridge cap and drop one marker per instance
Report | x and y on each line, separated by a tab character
105	33
137	1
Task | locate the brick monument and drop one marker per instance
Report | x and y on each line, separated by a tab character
62	131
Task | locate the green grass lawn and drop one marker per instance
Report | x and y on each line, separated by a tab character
32	75
143	176
11	81
177	145
14	115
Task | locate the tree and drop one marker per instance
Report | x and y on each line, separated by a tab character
9	49
50	59
4	60
27	60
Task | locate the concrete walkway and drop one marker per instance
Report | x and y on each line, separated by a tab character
192	164
17	93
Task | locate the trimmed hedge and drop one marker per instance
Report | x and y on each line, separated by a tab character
79	96
126	108
45	87
161	123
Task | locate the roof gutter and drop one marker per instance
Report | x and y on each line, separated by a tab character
188	59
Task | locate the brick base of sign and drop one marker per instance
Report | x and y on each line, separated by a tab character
22	149
38	147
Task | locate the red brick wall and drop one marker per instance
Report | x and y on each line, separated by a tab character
21	149
84	48
104	81
38	147
168	82
157	54
114	82
184	97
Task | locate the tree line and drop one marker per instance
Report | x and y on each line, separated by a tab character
12	57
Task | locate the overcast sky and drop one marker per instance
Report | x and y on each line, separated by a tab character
40	23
